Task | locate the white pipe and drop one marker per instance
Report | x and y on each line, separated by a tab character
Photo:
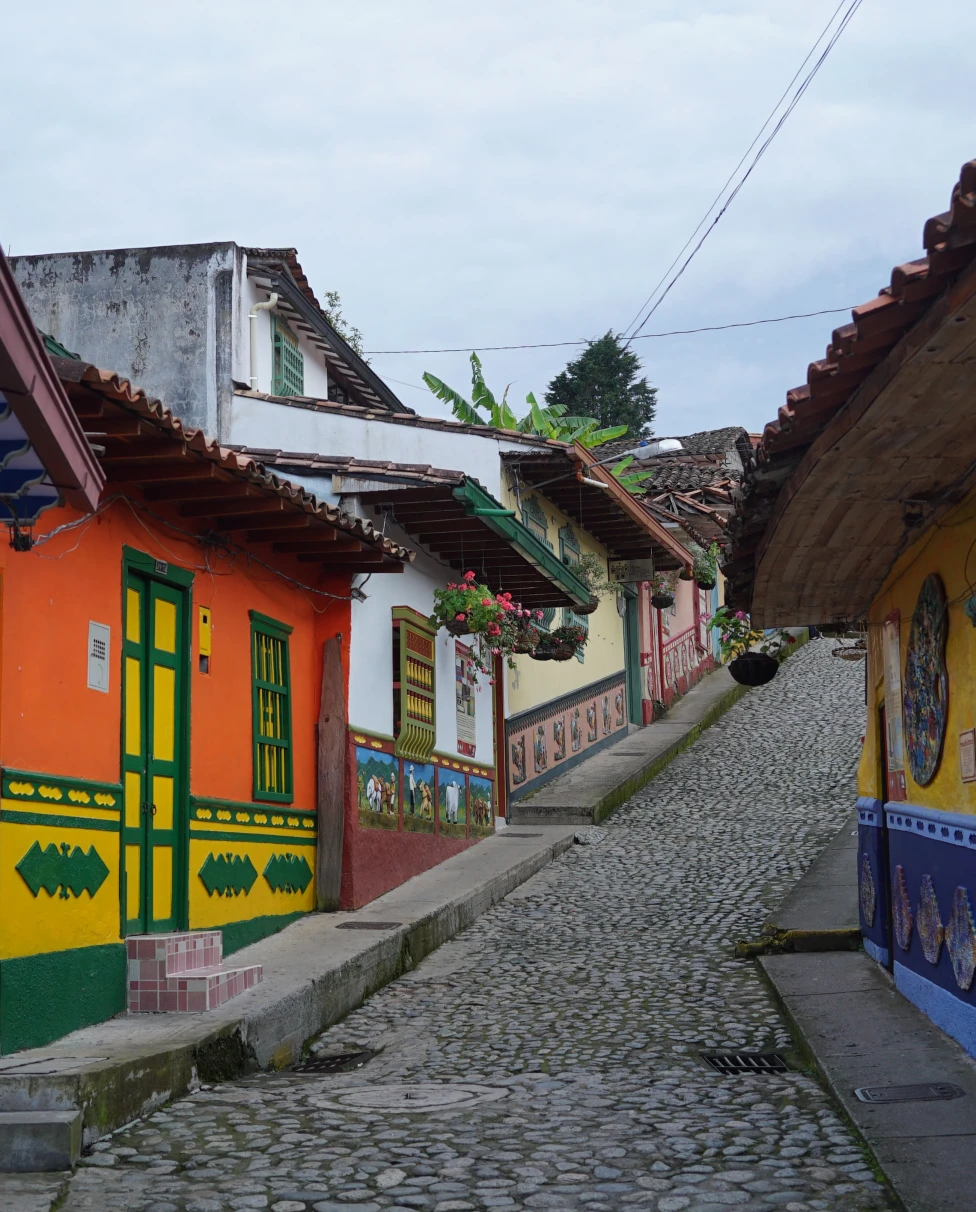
595	483
252	317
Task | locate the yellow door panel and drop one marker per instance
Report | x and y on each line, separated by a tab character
162	803
133	707
165	630
164	708
162	882
133	603
133	888
133	800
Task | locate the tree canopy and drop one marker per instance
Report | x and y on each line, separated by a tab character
603	383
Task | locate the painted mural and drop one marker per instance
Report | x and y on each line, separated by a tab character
480	798
926	689
377	787
563	732
417	781
452	804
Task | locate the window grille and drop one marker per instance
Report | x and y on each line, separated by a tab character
288	377
414	685
271	709
569	553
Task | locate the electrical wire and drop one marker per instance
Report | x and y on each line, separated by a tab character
731	176
794	101
647	336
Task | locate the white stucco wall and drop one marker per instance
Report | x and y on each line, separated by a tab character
316	375
267	423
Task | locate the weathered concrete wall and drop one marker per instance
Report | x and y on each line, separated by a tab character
162	317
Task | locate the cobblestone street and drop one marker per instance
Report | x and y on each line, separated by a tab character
586	998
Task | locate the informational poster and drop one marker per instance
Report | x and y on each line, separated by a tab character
465	682
895	739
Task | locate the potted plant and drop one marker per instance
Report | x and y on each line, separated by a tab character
705	565
749	666
662	590
591	571
562	643
496	621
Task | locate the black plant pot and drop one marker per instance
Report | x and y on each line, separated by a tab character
592	604
754	669
661	601
457	627
706	585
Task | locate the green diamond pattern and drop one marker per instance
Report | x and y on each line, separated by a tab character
288	873
54	867
228	874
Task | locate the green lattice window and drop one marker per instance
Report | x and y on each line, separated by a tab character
569	553
288	376
534	519
271	709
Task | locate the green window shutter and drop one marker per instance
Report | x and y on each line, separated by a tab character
569	553
417	685
271	709
534	518
288	375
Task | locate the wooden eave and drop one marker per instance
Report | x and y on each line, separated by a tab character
904	444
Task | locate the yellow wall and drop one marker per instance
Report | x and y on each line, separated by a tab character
534	682
943	549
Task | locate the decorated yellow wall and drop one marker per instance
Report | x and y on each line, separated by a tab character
944	549
533	682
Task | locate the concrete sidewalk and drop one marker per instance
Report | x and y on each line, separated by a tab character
857	1030
589	792
315	972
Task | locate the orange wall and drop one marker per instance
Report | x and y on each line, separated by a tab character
50	722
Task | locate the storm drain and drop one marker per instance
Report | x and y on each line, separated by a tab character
511	833
342	1063
412	1097
368	925
930	1092
731	1064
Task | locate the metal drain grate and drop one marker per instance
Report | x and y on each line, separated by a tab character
909	1094
335	1064
368	925
731	1064
512	833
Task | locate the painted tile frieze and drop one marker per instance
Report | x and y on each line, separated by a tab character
926	689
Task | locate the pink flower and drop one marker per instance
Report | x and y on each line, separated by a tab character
486	601
495	651
491	681
459	618
740	614
494	629
469	576
538	614
520	613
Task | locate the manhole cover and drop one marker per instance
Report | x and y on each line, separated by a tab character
342	1063
412	1097
909	1094
368	925
509	833
731	1063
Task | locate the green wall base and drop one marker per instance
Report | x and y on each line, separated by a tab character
43	997
242	934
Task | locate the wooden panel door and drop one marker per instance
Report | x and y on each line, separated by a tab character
154	766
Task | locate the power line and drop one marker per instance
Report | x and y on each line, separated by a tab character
853	6
647	336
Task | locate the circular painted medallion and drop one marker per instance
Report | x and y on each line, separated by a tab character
926	687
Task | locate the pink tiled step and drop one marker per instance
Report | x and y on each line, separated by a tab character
169	973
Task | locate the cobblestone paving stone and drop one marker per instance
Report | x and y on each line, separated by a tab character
587	995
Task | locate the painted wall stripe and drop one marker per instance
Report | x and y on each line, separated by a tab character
13	816
273	839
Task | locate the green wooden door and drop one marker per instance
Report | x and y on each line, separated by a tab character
154	768
632	667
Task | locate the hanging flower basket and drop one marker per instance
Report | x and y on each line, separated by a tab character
496	622
458	627
661	601
686	575
705	584
754	668
592	605
542	654
562	652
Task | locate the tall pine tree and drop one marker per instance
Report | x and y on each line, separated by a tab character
602	382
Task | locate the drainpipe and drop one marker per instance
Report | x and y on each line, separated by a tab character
252	317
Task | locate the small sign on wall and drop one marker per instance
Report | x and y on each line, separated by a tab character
628	572
99	639
967	755
465	684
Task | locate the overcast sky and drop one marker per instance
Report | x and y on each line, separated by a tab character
508	173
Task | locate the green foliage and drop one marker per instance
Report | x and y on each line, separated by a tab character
705	563
592	571
333	311
543	420
603	383
735	632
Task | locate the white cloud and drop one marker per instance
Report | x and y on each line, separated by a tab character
506	173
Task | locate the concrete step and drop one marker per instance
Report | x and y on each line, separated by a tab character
39	1140
183	973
